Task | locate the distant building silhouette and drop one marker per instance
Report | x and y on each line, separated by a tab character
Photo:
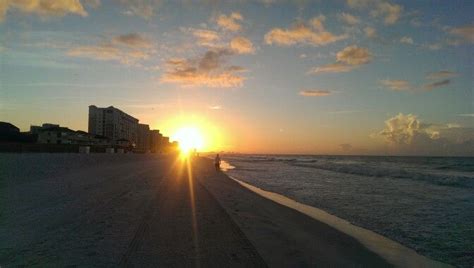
109	128
10	133
6	127
156	141
143	141
37	129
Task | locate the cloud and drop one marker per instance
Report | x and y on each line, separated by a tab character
404	85
133	40
354	55
315	93
434	85
358	3
406	134
230	22
215	107
142	8
92	3
466	115
43	8
397	85
209	70
242	45
434	46
332	68
206	37
349	19
348	59
312	34
345	147
465	32
401	129
99	52
406	40
441	75
126	49
391	13
370	32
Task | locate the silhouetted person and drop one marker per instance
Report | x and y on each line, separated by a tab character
217	162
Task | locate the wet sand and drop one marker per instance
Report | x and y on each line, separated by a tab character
142	210
285	237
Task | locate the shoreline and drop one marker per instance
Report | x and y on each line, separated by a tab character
107	210
283	236
392	251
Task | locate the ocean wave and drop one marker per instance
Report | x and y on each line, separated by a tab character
446	179
454	172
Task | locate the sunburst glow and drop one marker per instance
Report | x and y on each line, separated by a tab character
195	132
189	138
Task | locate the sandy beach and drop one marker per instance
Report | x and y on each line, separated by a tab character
144	210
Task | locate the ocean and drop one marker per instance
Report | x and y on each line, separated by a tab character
424	203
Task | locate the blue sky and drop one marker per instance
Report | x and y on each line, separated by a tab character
325	77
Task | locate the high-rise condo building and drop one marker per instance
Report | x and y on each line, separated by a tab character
112	123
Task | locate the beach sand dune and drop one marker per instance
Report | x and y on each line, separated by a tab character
144	210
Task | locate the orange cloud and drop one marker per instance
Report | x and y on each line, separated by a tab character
242	45
230	22
206	37
332	68
315	93
133	40
397	85
370	32
466	32
314	34
208	70
354	55
442	75
127	49
44	8
348	59
391	13
349	19
142	8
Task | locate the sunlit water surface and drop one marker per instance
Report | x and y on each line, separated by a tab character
424	203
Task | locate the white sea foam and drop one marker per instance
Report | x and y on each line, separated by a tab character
395	253
426	204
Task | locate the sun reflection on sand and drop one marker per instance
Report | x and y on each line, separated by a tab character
183	167
193	207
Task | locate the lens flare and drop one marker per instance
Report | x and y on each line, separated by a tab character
189	138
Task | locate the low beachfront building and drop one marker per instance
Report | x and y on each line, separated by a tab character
55	135
37	129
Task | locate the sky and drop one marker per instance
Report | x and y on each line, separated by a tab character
371	77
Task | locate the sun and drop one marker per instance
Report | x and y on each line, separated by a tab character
194	131
189	138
